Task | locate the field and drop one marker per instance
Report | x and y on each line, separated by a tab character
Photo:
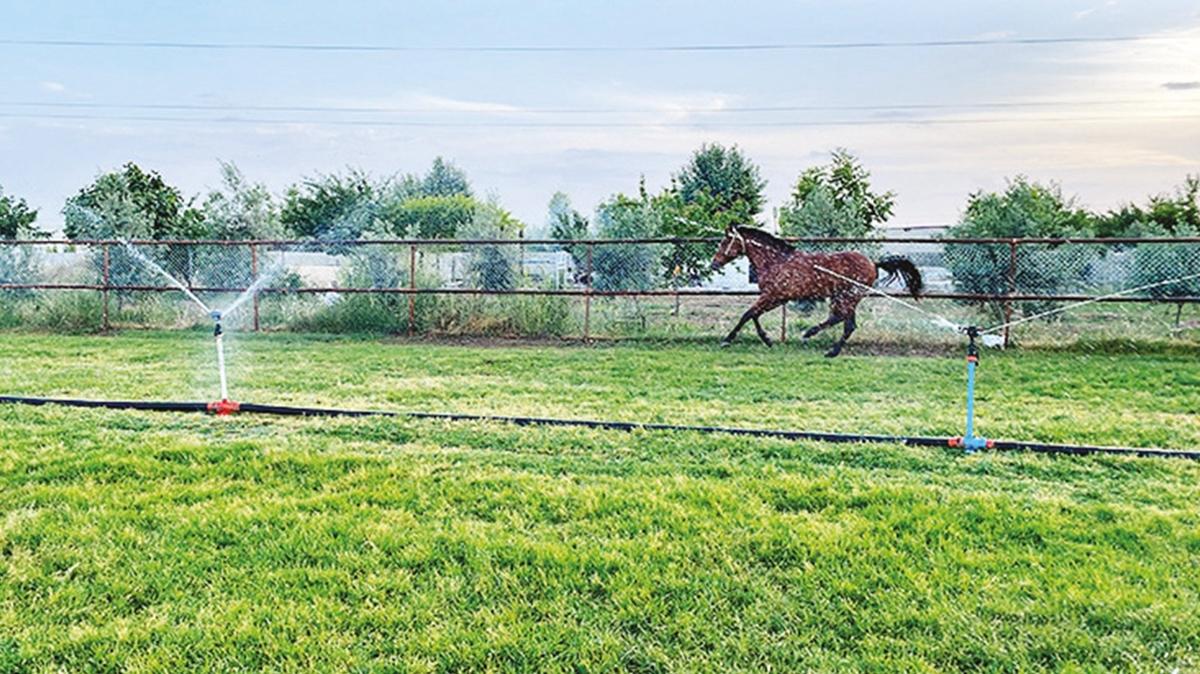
157	542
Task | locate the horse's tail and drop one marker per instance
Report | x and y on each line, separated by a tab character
895	266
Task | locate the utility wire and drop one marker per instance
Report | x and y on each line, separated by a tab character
514	110
601	125
536	49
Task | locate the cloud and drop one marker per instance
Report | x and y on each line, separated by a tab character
1181	86
53	87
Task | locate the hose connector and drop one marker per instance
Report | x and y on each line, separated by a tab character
224	408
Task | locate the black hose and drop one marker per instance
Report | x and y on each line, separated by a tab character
151	405
909	440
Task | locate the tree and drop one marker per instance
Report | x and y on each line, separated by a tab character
18	264
1165	215
494	266
241	209
1023	209
132	204
332	207
835	199
16	218
567	224
718	187
435	217
626	266
444	179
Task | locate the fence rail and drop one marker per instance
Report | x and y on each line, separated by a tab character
1002	277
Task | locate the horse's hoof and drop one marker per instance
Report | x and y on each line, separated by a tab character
832	353
724	343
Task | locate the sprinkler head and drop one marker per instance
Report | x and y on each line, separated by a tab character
215	315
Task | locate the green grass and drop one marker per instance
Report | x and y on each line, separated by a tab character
156	542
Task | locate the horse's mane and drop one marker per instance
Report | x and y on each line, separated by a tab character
766	238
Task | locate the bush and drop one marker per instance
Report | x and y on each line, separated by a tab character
626	266
1161	263
1024	209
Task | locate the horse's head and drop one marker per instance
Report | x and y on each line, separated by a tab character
732	247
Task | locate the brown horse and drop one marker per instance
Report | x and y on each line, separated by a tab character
785	274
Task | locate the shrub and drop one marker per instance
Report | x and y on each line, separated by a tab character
1024	209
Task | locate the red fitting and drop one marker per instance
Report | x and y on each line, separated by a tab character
972	359
955	442
991	444
224	408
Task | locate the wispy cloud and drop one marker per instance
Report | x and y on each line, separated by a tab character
1181	86
53	87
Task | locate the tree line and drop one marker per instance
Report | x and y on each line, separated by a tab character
717	186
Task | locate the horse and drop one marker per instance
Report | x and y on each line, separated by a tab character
786	274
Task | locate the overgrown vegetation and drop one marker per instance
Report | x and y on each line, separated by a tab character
167	543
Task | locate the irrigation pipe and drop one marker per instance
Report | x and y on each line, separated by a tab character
909	440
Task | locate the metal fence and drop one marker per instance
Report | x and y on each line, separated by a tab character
650	288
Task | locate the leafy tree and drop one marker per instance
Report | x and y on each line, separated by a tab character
16	218
626	266
332	207
17	264
1023	209
436	217
718	187
1165	215
136	204
241	209
444	179
835	199
567	224
493	266
132	203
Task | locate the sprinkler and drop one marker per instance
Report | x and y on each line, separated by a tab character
224	406
969	441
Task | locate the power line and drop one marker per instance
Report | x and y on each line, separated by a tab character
742	47
514	110
623	125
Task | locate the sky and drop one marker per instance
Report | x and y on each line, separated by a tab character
1111	122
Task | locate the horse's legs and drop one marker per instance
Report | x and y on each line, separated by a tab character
845	306
847	329
833	320
760	306
762	334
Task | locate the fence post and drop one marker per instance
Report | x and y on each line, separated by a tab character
254	279
107	275
1012	288
412	287
587	298
783	324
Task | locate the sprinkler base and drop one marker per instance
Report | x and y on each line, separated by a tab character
224	408
972	444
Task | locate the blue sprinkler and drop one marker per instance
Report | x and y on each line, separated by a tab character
969	441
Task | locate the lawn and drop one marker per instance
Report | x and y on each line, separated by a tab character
158	542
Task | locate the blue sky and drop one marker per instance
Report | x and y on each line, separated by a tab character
1143	136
